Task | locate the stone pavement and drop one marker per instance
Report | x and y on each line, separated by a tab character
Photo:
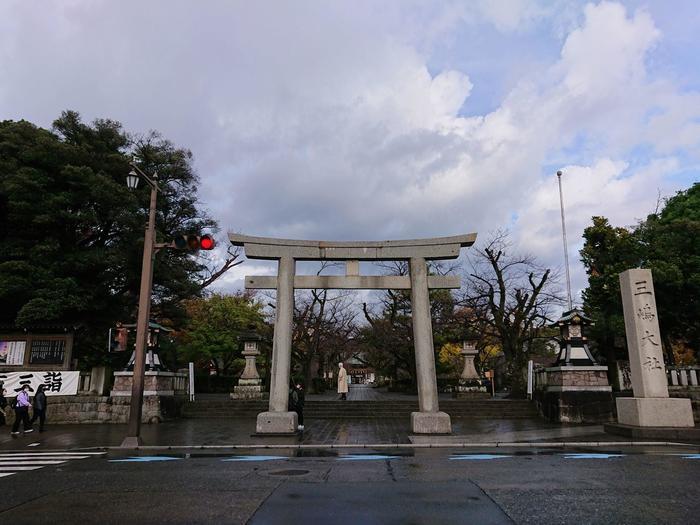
368	393
226	432
239	431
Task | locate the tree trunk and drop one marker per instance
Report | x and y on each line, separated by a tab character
516	380
308	383
611	360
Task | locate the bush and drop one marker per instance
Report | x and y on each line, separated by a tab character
208	384
406	386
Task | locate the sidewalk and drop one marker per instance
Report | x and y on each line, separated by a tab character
322	432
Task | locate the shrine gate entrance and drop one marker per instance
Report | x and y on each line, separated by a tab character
278	419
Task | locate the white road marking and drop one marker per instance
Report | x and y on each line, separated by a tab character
34	444
13	462
30	462
58	453
29	456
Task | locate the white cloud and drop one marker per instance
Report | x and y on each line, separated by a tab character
327	120
607	187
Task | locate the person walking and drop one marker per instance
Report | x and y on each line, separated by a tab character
39	406
296	403
342	382
3	406
22	405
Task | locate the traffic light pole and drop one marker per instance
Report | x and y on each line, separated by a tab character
133	435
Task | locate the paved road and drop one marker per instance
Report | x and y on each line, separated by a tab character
625	485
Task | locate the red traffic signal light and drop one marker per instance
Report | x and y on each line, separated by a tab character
206	242
194	242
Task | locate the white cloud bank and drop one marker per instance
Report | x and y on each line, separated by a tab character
325	120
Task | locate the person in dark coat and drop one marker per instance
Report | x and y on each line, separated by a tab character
3	406
39	406
296	403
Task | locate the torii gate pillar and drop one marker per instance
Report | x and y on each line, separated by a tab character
278	419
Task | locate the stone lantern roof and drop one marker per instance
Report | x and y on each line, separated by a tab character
574	316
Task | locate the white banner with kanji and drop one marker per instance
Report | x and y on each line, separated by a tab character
61	383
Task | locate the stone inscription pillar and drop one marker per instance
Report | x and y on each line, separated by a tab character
650	406
278	420
429	420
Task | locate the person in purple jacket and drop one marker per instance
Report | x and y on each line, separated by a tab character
22	411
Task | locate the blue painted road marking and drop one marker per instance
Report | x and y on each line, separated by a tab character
592	456
143	459
478	457
365	457
690	456
255	458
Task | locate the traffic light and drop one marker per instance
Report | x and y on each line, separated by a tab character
194	242
206	242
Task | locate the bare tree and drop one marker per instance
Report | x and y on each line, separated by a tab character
388	337
323	326
215	269
511	297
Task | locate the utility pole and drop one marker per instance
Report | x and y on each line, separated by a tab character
566	247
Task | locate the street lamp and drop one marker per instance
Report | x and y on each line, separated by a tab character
133	433
132	180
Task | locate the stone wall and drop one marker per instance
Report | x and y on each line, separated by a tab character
690	392
102	409
575	406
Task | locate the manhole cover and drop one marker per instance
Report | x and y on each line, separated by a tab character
289	472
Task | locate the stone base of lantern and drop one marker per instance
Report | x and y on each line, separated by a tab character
248	389
471	393
471	389
248	392
165	394
576	394
572	378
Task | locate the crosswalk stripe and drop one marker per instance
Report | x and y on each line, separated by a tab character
13	458
30	462
14	462
38	454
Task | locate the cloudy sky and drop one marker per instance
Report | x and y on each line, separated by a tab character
384	119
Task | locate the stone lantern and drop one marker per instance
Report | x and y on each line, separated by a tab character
470	384
573	344
469	352
576	388
249	384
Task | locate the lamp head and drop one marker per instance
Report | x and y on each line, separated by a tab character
132	180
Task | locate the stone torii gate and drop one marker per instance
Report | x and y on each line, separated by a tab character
278	419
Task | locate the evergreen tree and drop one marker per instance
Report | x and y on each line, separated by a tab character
72	232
